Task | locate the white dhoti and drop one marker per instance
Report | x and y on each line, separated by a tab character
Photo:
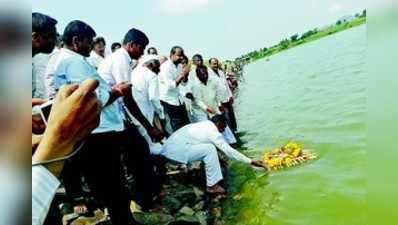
200	152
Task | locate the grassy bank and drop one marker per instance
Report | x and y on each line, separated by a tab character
294	41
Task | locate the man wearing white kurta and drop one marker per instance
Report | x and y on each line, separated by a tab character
146	88
146	93
208	95
117	68
97	55
170	77
228	100
200	141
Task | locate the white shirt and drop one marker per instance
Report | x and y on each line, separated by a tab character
209	95
73	68
49	74
168	89
95	59
146	92
185	88
44	187
227	93
204	132
116	68
40	62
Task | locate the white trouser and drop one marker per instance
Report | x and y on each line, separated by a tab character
208	154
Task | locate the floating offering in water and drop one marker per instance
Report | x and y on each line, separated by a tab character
291	154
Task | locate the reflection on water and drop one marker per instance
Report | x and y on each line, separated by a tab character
314	94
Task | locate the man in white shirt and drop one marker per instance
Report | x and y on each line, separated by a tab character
116	69
97	55
146	87
170	77
186	91
44	183
208	95
199	142
39	65
146	93
64	130
43	41
228	100
74	114
99	159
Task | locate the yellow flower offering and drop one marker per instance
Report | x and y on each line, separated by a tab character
291	154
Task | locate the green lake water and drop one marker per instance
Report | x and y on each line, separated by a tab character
314	94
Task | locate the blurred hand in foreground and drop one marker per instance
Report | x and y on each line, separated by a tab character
74	114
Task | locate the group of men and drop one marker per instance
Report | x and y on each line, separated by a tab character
141	107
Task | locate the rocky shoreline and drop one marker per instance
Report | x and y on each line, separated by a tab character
185	202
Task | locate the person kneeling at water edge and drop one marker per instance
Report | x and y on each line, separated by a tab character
199	141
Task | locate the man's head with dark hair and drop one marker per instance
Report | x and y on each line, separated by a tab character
176	54
214	64
115	46
202	74
153	65
99	46
78	37
152	51
220	122
197	60
44	33
135	42
184	60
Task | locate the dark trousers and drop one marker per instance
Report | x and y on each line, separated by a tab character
230	116
140	164
100	163
178	115
101	166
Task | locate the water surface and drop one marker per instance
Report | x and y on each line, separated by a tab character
314	94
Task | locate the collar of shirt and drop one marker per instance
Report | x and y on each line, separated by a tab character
72	53
95	55
171	65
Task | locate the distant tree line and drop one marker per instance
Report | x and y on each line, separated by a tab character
284	43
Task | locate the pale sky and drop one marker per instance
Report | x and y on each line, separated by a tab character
213	28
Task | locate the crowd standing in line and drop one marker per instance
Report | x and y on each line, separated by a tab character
124	113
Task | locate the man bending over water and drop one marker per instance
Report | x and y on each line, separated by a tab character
199	142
